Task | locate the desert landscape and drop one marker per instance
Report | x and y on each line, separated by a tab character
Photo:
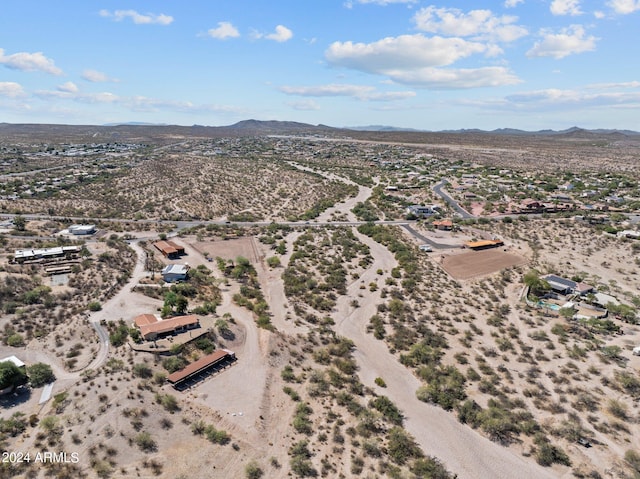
282	300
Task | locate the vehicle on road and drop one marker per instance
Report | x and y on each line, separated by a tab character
426	248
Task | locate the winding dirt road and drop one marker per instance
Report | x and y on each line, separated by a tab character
463	450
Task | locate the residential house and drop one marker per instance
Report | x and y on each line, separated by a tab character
79	230
566	286
151	327
421	211
443	225
175	272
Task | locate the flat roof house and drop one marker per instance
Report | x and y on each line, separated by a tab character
175	272
445	225
82	229
421	211
169	249
23	255
151	327
566	286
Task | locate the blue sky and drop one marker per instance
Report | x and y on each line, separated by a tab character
530	64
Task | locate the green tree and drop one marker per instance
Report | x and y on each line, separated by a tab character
11	375
19	223
537	285
182	304
40	374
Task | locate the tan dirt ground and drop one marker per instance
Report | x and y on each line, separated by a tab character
478	263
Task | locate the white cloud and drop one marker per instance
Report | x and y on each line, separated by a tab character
29	62
304	105
624	6
453	79
11	89
134	103
414	60
138	18
557	98
223	31
482	24
629	84
282	34
381	2
599	14
406	52
566	7
512	3
361	92
569	41
68	87
95	76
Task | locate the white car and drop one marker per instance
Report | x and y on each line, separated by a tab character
426	247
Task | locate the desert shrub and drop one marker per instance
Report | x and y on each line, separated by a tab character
430	467
15	340
40	374
388	409
273	261
288	374
145	442
174	363
253	471
301	421
618	408
633	459
94	306
119	334
547	454
142	370
216	436
13	426
168	401
300	463
445	386
628	382
402	446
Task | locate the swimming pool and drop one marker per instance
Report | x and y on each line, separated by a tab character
551	306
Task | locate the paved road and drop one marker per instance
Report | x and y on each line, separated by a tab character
437	189
191	223
424	239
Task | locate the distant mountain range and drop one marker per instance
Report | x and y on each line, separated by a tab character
499	131
139	131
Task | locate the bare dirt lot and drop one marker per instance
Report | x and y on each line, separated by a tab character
229	249
478	263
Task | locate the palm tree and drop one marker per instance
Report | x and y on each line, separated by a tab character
537	285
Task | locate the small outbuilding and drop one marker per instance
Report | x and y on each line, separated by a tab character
169	249
484	244
201	368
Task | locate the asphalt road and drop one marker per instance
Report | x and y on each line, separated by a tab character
428	241
453	203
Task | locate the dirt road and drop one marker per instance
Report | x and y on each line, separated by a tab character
463	450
